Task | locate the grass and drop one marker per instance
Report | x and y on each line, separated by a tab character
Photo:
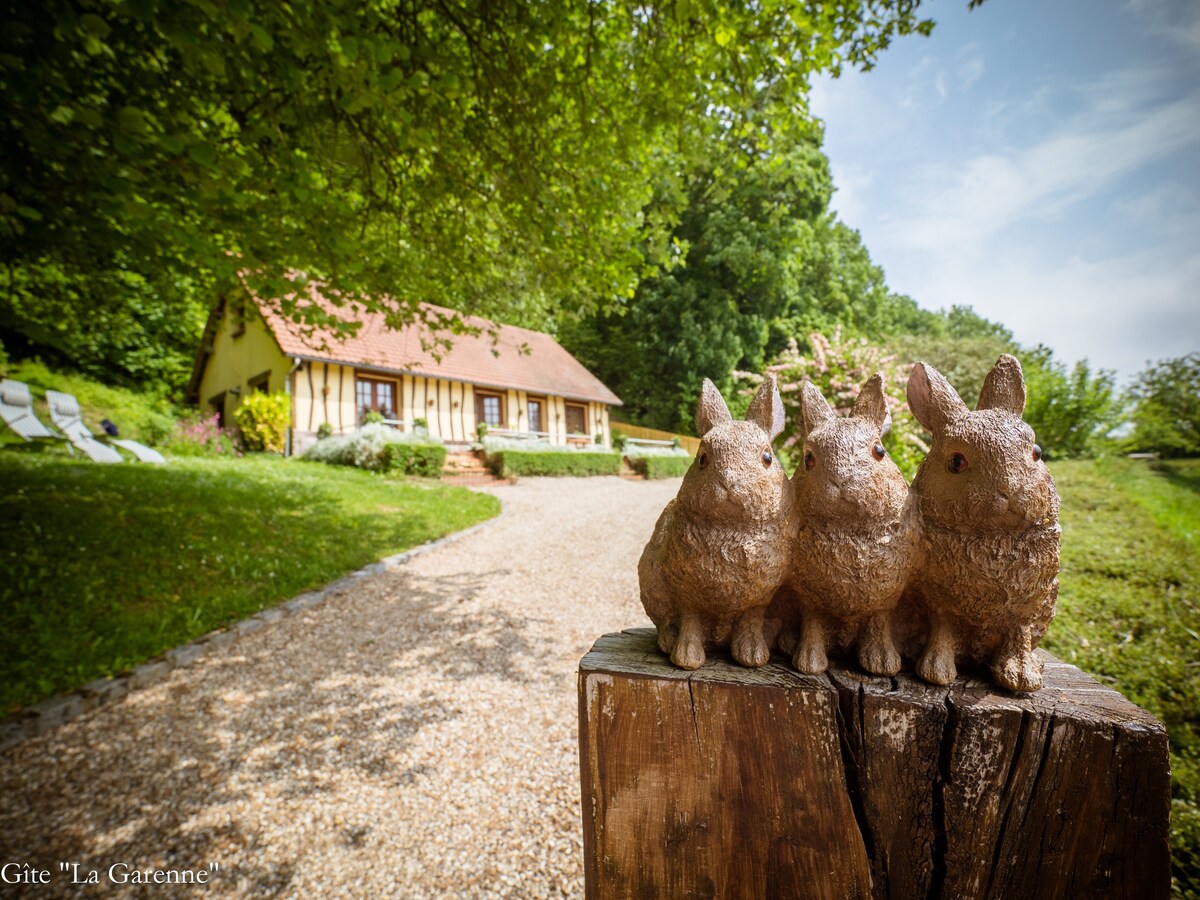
1129	609
107	566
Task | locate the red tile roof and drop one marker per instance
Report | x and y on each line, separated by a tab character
518	358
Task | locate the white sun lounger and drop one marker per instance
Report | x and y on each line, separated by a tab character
65	413
16	408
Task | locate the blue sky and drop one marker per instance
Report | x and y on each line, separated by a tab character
1039	161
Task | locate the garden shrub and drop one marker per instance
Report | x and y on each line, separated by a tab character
658	462
507	463
425	460
839	366
378	448
263	421
660	465
200	435
324	430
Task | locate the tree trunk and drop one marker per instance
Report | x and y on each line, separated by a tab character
733	782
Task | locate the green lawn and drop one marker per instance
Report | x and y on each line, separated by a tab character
106	566
1129	609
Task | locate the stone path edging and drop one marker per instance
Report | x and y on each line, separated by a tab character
62	708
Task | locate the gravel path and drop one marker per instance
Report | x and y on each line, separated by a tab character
412	737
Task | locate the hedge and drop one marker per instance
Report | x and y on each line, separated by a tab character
378	448
507	463
414	459
660	466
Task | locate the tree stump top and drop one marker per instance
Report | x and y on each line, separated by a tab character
728	781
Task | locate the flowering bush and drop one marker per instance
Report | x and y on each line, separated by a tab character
200	435
379	448
838	366
263	421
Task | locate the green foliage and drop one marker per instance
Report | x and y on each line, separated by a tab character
964	359
111	325
378	448
838	366
263	420
425	460
107	566
374	417
140	415
1069	411
410	150
324	430
653	467
758	259
1129	609
510	463
1166	407
200	435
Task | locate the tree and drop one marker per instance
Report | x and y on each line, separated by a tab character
1166	407
1068	410
495	157
762	265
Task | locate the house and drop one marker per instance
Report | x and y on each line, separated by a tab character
517	381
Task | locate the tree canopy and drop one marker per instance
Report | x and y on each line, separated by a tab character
495	158
1166	407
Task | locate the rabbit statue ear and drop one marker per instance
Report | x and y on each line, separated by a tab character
1004	387
871	404
766	409
711	410
931	398
814	409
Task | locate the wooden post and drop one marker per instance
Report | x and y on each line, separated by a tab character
733	782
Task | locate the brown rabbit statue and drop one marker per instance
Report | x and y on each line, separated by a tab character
854	552
989	519
720	548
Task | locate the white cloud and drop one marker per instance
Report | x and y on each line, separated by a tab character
1085	156
1107	310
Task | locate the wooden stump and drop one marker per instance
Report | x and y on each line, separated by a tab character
733	782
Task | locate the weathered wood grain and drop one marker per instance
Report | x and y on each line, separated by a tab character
734	782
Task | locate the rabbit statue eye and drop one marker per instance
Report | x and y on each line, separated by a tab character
1037	453
956	464
767	458
702	459
810	459
878	452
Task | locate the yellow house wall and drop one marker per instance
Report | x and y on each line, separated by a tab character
323	392
235	360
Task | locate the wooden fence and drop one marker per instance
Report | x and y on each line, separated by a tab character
690	444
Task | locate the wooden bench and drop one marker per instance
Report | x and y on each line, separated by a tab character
733	782
647	442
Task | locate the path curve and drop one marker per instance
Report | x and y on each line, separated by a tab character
414	736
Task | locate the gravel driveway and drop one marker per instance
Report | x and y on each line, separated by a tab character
414	736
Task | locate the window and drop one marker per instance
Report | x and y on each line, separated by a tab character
217	404
576	419
260	383
376	395
536	417
489	408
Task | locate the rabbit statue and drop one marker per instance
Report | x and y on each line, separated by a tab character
989	520
720	549
854	552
